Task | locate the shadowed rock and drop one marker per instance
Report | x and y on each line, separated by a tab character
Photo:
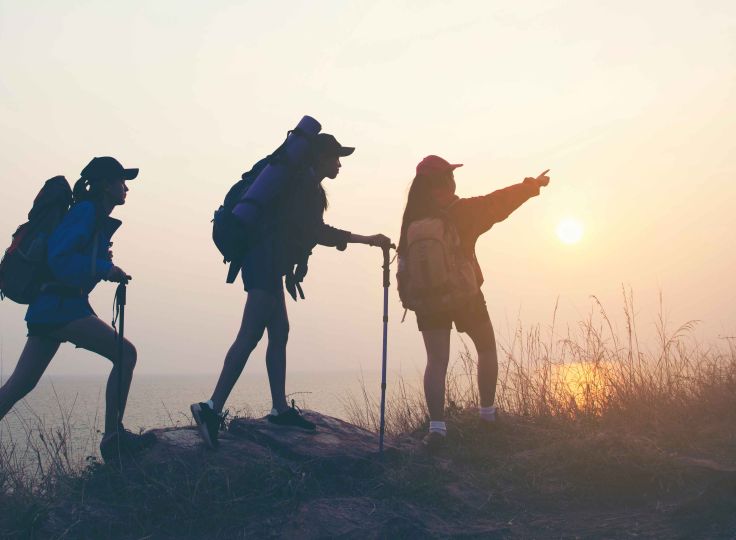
336	445
334	440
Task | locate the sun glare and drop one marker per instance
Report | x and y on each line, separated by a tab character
570	230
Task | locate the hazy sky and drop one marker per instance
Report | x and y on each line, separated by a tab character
630	104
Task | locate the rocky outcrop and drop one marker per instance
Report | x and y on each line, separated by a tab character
335	445
517	478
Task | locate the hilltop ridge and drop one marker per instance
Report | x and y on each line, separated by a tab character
519	478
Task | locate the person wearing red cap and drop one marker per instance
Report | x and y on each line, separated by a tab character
432	194
78	259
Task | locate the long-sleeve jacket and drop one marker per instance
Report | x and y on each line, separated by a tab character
475	215
292	226
303	222
78	257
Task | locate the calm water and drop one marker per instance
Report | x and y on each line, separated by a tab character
163	400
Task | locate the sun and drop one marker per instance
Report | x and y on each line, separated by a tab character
570	230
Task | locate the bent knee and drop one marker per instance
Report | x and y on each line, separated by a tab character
278	334
130	355
247	341
25	388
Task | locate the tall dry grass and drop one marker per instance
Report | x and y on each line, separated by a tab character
564	389
38	456
593	371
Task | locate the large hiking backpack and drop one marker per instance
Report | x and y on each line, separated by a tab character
233	235
23	269
434	274
228	234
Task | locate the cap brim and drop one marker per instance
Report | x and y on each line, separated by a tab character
454	166
345	151
129	174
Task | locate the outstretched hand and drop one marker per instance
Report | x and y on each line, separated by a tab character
542	180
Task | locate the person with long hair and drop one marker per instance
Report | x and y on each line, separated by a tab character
432	195
293	226
78	259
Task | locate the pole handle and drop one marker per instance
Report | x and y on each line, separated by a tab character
121	293
387	264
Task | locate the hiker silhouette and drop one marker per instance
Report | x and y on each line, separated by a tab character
280	221
74	244
439	276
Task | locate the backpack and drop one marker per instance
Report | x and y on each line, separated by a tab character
231	237
23	269
227	233
434	274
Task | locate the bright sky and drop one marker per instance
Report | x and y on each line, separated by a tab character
630	104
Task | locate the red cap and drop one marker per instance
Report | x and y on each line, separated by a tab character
435	164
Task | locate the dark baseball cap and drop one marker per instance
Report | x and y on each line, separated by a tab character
107	168
325	144
435	165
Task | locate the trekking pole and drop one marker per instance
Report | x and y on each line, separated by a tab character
386	284
120	299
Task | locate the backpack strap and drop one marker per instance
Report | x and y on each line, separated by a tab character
447	220
232	272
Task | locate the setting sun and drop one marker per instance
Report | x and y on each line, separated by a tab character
570	230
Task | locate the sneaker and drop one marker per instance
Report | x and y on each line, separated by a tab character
124	443
292	418
208	422
434	440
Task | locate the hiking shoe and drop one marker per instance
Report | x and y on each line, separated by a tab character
124	443
292	418
208	422
434	440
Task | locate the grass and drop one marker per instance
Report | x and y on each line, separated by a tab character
591	373
593	426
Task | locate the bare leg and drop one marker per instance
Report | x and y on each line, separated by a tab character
93	334
278	335
437	343
485	343
258	309
33	361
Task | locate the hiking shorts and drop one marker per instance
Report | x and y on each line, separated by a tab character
270	282
44	330
471	315
260	269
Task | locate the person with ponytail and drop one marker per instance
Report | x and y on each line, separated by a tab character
78	258
432	195
293	227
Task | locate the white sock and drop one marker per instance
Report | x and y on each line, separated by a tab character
437	427
488	413
211	404
274	412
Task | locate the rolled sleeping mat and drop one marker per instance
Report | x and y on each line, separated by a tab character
273	178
